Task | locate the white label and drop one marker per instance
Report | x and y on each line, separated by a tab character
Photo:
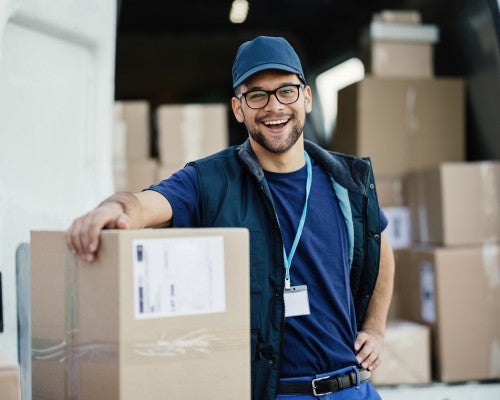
178	276
296	301
427	292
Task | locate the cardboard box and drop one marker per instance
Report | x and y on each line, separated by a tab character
134	175
407	355
391	191
456	203
398	16
189	132
132	139
398	230
402	124
457	292
399	59
161	311
10	381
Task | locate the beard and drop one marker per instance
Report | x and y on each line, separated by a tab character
282	146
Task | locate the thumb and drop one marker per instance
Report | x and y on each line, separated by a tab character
359	341
123	222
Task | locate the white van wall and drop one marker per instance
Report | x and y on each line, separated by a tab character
56	96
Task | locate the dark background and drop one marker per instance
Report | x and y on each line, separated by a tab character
182	51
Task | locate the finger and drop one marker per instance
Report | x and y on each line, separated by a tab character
365	352
360	340
375	364
69	240
123	222
369	360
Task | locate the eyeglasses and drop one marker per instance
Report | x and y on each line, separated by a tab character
259	98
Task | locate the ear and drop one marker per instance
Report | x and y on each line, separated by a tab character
308	99
237	111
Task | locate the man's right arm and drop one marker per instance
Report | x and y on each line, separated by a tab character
120	211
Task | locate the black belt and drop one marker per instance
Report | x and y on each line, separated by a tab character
328	384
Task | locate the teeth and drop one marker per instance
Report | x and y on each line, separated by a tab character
281	121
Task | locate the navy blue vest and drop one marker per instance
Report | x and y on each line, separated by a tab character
234	193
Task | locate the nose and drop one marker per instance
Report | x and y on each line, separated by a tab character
273	103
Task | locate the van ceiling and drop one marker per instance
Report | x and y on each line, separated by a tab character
182	51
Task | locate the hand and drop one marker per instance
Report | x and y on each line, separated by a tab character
369	345
83	234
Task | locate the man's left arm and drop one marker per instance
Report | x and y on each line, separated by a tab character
370	340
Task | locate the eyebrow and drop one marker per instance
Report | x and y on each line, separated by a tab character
280	85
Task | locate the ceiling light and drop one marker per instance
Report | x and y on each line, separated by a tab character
239	11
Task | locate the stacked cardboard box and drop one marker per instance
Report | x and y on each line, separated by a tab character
134	169
160	313
189	132
10	381
398	45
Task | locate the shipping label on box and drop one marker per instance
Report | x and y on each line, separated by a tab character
178	276
398	231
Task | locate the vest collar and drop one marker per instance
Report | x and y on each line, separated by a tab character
349	171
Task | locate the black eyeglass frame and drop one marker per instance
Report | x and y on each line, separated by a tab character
269	93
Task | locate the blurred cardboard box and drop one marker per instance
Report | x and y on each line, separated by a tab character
402	124
158	310
398	16
189	132
398	230
456	203
10	381
407	355
134	175
131	130
456	290
391	191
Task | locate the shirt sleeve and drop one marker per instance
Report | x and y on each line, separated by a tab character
183	193
383	220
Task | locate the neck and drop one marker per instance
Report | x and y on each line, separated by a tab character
289	161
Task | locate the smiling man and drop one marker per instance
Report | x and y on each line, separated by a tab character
321	269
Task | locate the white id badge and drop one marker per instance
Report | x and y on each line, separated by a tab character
296	301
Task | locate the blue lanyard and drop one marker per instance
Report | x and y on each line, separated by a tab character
288	260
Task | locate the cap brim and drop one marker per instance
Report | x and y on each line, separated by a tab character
265	67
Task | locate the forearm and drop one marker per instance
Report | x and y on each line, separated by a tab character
376	315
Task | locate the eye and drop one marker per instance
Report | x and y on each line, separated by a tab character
287	91
256	95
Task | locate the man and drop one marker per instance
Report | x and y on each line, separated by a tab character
321	271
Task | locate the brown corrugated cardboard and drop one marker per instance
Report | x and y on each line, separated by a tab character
456	291
189	132
407	355
132	130
391	191
134	175
456	203
138	323
402	124
399	59
10	383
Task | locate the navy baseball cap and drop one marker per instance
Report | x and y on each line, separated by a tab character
264	53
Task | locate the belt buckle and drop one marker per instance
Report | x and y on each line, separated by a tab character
314	388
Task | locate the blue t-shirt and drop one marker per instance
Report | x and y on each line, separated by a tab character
324	340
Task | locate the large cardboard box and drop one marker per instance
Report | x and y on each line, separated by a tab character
134	175
132	139
407	355
402	124
189	132
456	203
10	381
162	312
391	191
457	292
